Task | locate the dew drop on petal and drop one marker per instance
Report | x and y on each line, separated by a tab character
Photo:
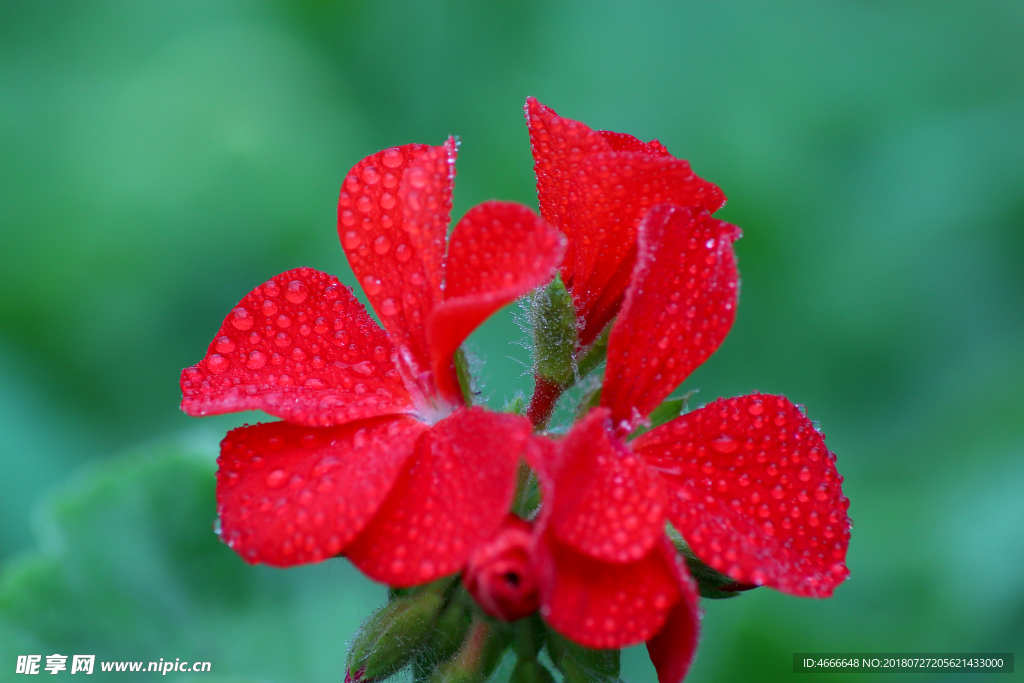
392	158
371	176
725	444
256	360
241	319
296	292
217	363
371	285
351	239
225	344
276	478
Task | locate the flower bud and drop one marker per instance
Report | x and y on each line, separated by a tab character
500	574
480	653
553	318
393	636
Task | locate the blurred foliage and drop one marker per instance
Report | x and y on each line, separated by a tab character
160	159
130	570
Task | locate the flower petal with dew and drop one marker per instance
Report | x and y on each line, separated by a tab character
748	482
596	186
378	456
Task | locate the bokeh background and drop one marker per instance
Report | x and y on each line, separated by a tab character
159	159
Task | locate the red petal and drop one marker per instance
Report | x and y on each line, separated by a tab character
289	495
624	142
497	252
603	604
597	196
393	215
302	348
451	500
558	145
755	493
679	307
606	501
672	650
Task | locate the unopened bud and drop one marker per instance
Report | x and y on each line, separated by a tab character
392	637
480	653
449	634
553	318
500	575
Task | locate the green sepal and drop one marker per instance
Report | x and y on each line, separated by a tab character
450	632
480	653
710	581
530	671
527	498
580	664
669	410
393	636
588	401
464	376
553	320
595	354
517	406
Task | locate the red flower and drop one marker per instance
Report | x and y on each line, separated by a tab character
378	457
747	481
596	186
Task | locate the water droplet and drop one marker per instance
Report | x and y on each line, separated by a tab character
217	363
804	474
371	285
417	177
225	344
755	408
241	319
725	444
271	288
282	340
371	176
351	239
297	292
269	307
314	383
256	360
382	244
388	307
392	158
388	201
276	478
403	253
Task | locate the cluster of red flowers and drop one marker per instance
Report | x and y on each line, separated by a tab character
381	457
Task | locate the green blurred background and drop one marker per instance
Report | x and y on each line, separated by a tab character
159	159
